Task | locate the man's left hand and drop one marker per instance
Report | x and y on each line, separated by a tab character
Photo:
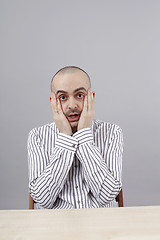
88	111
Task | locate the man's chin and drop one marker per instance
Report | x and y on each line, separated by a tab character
74	129
74	126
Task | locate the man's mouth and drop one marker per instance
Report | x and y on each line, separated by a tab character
73	117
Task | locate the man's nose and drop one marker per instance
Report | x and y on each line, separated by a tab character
72	104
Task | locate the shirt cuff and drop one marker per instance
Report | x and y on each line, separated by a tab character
66	142
84	136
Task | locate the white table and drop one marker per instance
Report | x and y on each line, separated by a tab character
87	224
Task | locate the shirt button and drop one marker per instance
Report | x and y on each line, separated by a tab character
73	145
76	186
78	201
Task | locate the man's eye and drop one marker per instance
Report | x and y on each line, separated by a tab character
80	95
62	98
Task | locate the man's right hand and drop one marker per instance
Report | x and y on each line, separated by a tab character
59	117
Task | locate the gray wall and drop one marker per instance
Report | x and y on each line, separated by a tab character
118	44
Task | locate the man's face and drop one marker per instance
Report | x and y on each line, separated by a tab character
71	88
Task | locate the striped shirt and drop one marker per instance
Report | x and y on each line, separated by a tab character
78	171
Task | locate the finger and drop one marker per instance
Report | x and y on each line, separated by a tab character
54	103
91	101
90	98
59	108
52	95
85	104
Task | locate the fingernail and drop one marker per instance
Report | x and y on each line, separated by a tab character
50	98
93	94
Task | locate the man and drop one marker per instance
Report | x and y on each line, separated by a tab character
76	161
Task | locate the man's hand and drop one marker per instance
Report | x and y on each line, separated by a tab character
88	111
59	117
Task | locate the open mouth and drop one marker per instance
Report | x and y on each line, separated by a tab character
73	117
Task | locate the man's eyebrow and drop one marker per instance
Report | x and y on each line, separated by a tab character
60	91
78	89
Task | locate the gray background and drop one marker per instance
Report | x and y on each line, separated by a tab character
118	44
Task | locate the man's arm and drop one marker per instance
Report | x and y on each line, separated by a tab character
46	184
47	174
102	168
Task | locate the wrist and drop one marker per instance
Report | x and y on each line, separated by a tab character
66	142
69	133
84	136
83	127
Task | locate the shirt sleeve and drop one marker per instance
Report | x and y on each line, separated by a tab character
47	174
102	169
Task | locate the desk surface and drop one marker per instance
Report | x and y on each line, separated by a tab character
127	223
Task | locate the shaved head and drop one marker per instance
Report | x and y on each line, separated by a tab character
68	70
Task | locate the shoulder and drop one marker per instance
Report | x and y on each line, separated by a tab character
105	133
43	131
105	127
